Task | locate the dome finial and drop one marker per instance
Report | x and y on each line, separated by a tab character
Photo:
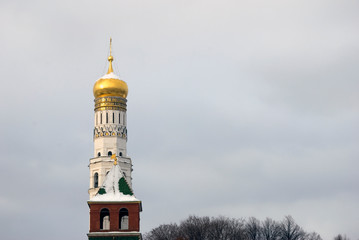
110	58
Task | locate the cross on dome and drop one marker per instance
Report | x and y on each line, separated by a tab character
110	59
110	84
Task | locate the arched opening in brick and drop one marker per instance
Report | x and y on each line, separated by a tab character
123	219
105	219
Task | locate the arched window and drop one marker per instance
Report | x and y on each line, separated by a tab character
105	219
123	219
95	180
98	154
120	154
109	153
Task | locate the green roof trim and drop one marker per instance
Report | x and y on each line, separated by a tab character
123	187
101	191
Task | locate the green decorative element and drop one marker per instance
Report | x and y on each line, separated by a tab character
124	188
101	191
115	238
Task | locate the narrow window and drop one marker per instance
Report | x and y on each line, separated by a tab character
98	154
95	180
106	117
123	219
119	118
101	118
120	154
109	153
105	219
113	117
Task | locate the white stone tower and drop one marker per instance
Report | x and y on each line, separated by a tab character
110	131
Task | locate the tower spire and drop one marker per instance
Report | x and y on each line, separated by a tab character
110	59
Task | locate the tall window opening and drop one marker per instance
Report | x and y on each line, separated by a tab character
98	154
105	219
95	180
109	153
123	219
106	117
119	118
113	117
101	118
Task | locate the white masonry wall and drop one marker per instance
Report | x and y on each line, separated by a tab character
113	123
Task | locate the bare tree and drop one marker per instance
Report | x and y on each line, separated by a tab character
223	228
218	228
253	228
270	229
289	230
313	236
195	228
341	237
164	232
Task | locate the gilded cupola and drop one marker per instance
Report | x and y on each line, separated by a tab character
110	85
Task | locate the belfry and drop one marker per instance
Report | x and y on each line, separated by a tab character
114	209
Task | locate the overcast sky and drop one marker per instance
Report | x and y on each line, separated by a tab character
235	108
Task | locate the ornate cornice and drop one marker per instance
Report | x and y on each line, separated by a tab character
110	131
110	103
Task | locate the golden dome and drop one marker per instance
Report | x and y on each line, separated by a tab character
110	84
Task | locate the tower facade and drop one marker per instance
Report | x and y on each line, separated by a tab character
114	209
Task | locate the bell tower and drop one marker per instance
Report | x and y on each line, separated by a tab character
110	128
114	209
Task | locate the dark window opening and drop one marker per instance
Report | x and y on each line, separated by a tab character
106	117
109	153
119	118
113	117
120	154
95	180
105	219
123	219
101	118
98	154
